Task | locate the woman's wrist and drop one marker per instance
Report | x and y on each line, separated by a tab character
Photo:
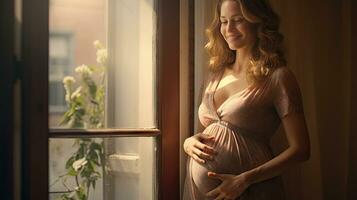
250	176
242	180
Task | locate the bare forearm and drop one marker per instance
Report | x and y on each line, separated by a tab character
276	166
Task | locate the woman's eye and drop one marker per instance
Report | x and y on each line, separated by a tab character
240	20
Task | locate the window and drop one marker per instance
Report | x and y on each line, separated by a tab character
106	82
139	133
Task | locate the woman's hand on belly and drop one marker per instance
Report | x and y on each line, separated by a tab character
232	186
197	148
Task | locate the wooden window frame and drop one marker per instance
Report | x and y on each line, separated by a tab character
35	34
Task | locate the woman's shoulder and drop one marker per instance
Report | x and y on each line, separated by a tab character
208	81
286	93
284	80
282	74
212	76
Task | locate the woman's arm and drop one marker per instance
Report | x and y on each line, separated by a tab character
298	151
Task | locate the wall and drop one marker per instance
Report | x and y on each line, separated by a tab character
317	50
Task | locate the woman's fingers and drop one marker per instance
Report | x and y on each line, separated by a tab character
205	148
206	137
221	177
213	193
199	151
217	194
197	159
202	154
220	197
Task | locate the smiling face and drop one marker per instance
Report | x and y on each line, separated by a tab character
235	29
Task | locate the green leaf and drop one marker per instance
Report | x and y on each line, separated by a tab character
64	121
92	156
92	88
81	151
97	146
70	162
81	193
72	172
65	197
93	184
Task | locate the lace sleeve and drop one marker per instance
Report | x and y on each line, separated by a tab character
287	96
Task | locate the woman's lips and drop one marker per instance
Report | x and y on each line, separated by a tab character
233	37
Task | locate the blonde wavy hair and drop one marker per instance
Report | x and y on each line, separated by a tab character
267	53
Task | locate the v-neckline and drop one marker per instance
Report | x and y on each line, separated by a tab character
226	100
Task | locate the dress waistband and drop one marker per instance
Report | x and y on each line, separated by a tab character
242	131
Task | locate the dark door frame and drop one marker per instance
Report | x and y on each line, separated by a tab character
7	68
34	51
352	174
169	96
35	31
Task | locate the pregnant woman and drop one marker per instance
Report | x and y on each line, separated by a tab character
249	93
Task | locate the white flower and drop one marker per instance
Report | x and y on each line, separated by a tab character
83	69
67	97
98	45
76	93
79	163
68	80
102	56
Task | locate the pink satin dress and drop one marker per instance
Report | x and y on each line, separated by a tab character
243	126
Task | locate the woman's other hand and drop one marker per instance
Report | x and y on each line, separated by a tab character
232	186
196	147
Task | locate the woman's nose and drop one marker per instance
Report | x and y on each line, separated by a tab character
230	27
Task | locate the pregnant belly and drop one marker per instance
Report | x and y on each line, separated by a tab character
235	155
227	161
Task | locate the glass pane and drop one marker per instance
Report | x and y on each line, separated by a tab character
102	64
114	168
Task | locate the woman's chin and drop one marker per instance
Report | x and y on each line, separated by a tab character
235	46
